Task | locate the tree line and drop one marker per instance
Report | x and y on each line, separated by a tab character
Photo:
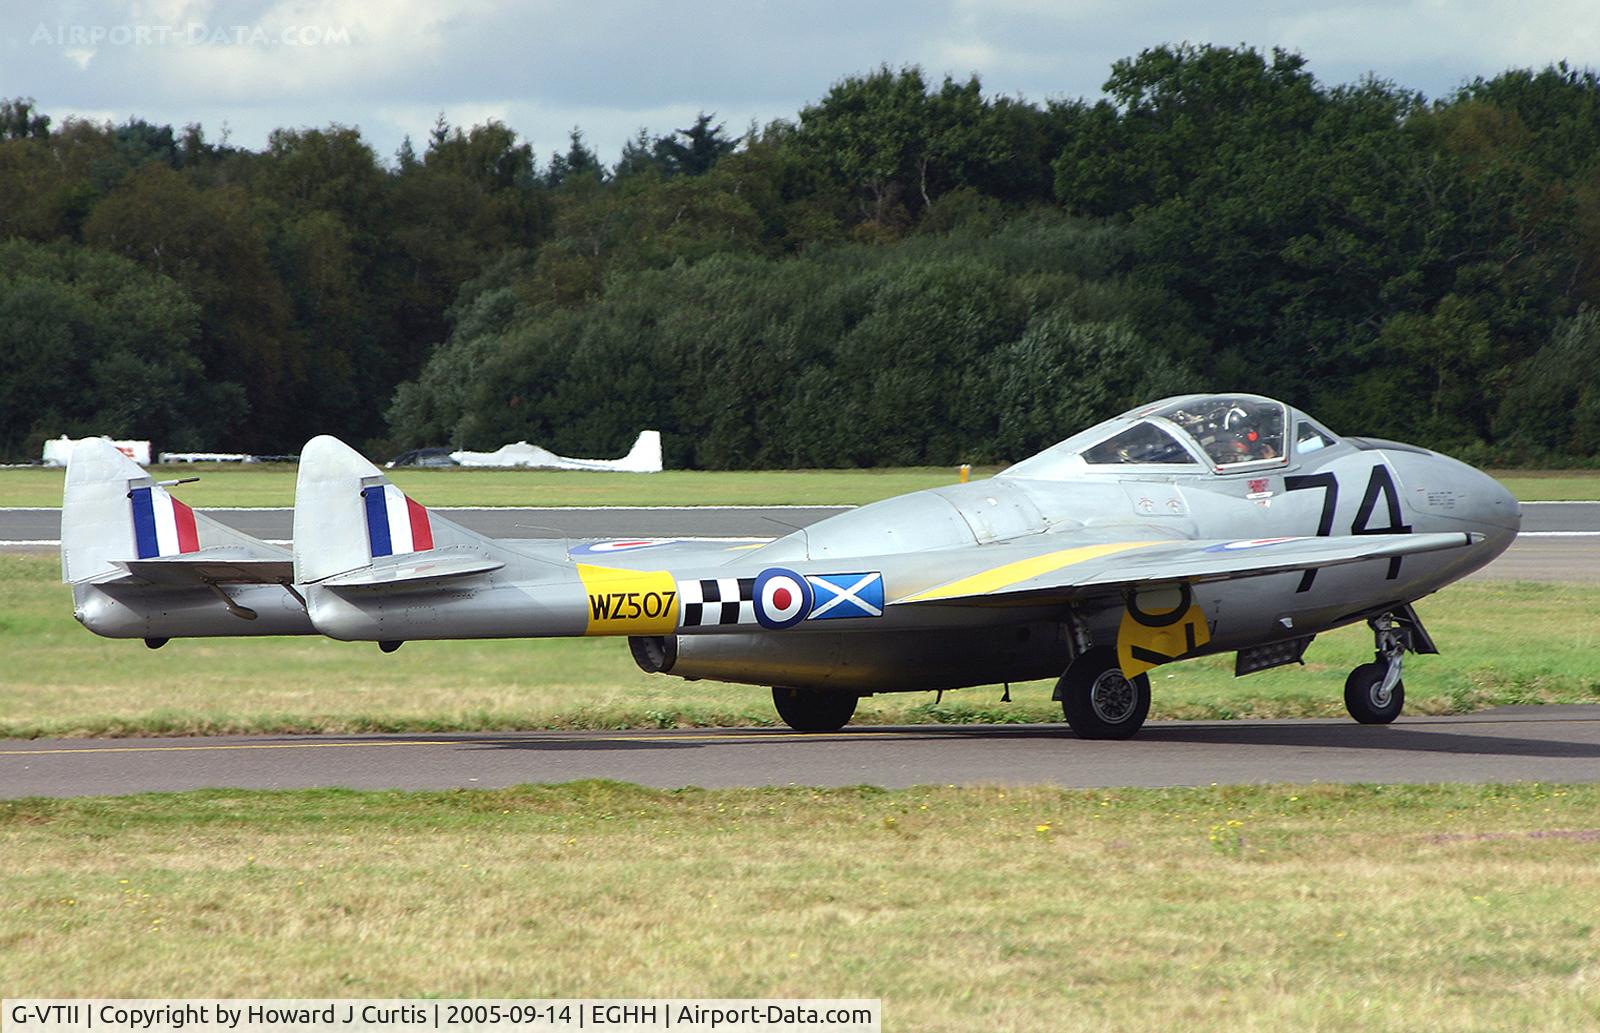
908	271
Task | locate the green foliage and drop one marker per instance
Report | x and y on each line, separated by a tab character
851	355
20	121
886	278
205	239
1553	404
702	146
94	344
488	155
578	165
1384	262
1179	118
321	278
896	146
1063	373
1428	373
33	199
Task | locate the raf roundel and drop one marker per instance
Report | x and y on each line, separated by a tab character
783	598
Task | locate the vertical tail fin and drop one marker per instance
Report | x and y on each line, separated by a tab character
644	456
347	515
144	565
113	511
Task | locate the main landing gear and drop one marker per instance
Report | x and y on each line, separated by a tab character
1374	693
1098	700
809	710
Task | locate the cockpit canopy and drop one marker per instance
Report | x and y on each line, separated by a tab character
1225	432
1230	428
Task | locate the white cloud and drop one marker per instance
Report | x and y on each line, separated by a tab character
614	66
293	50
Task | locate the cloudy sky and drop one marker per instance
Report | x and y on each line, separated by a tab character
612	66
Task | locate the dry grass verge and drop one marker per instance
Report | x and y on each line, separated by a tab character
1273	908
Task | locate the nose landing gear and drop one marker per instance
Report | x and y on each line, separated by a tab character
1374	693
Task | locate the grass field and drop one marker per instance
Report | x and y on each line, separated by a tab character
1278	908
225	484
1551	485
1502	642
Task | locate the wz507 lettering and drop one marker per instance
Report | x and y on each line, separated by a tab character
630	606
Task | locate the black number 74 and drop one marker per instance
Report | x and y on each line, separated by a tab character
1379	485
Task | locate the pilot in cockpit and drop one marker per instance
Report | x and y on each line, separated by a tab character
1242	436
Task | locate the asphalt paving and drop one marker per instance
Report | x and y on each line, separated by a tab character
1511	744
43	525
1556	559
1560	541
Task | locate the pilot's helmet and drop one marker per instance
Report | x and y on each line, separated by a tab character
1241	434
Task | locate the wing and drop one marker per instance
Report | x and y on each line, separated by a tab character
1092	569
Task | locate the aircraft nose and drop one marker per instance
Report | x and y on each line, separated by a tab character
1495	506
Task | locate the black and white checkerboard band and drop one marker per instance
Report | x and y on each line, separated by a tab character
714	601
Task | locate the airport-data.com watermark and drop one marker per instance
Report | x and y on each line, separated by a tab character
190	34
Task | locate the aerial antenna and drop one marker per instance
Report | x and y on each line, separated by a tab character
805	536
566	542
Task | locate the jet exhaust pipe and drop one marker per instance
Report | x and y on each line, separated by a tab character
903	661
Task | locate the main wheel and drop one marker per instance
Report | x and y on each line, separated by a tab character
1365	699
808	710
1099	701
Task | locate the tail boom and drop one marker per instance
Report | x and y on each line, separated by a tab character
144	565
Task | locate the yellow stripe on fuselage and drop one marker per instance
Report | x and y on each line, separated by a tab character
1008	574
629	602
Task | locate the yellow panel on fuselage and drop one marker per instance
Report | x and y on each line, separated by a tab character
629	602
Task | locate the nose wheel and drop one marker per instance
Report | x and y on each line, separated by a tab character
1374	693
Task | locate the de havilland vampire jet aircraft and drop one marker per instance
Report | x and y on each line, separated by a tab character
1190	526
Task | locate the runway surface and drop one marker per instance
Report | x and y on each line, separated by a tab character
1561	540
44	525
641	522
1546	744
1546	559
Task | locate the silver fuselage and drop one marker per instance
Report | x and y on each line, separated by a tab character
926	538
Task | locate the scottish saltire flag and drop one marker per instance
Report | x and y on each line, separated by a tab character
846	595
162	526
395	524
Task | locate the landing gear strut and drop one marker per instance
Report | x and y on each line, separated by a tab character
808	710
1374	693
1098	700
